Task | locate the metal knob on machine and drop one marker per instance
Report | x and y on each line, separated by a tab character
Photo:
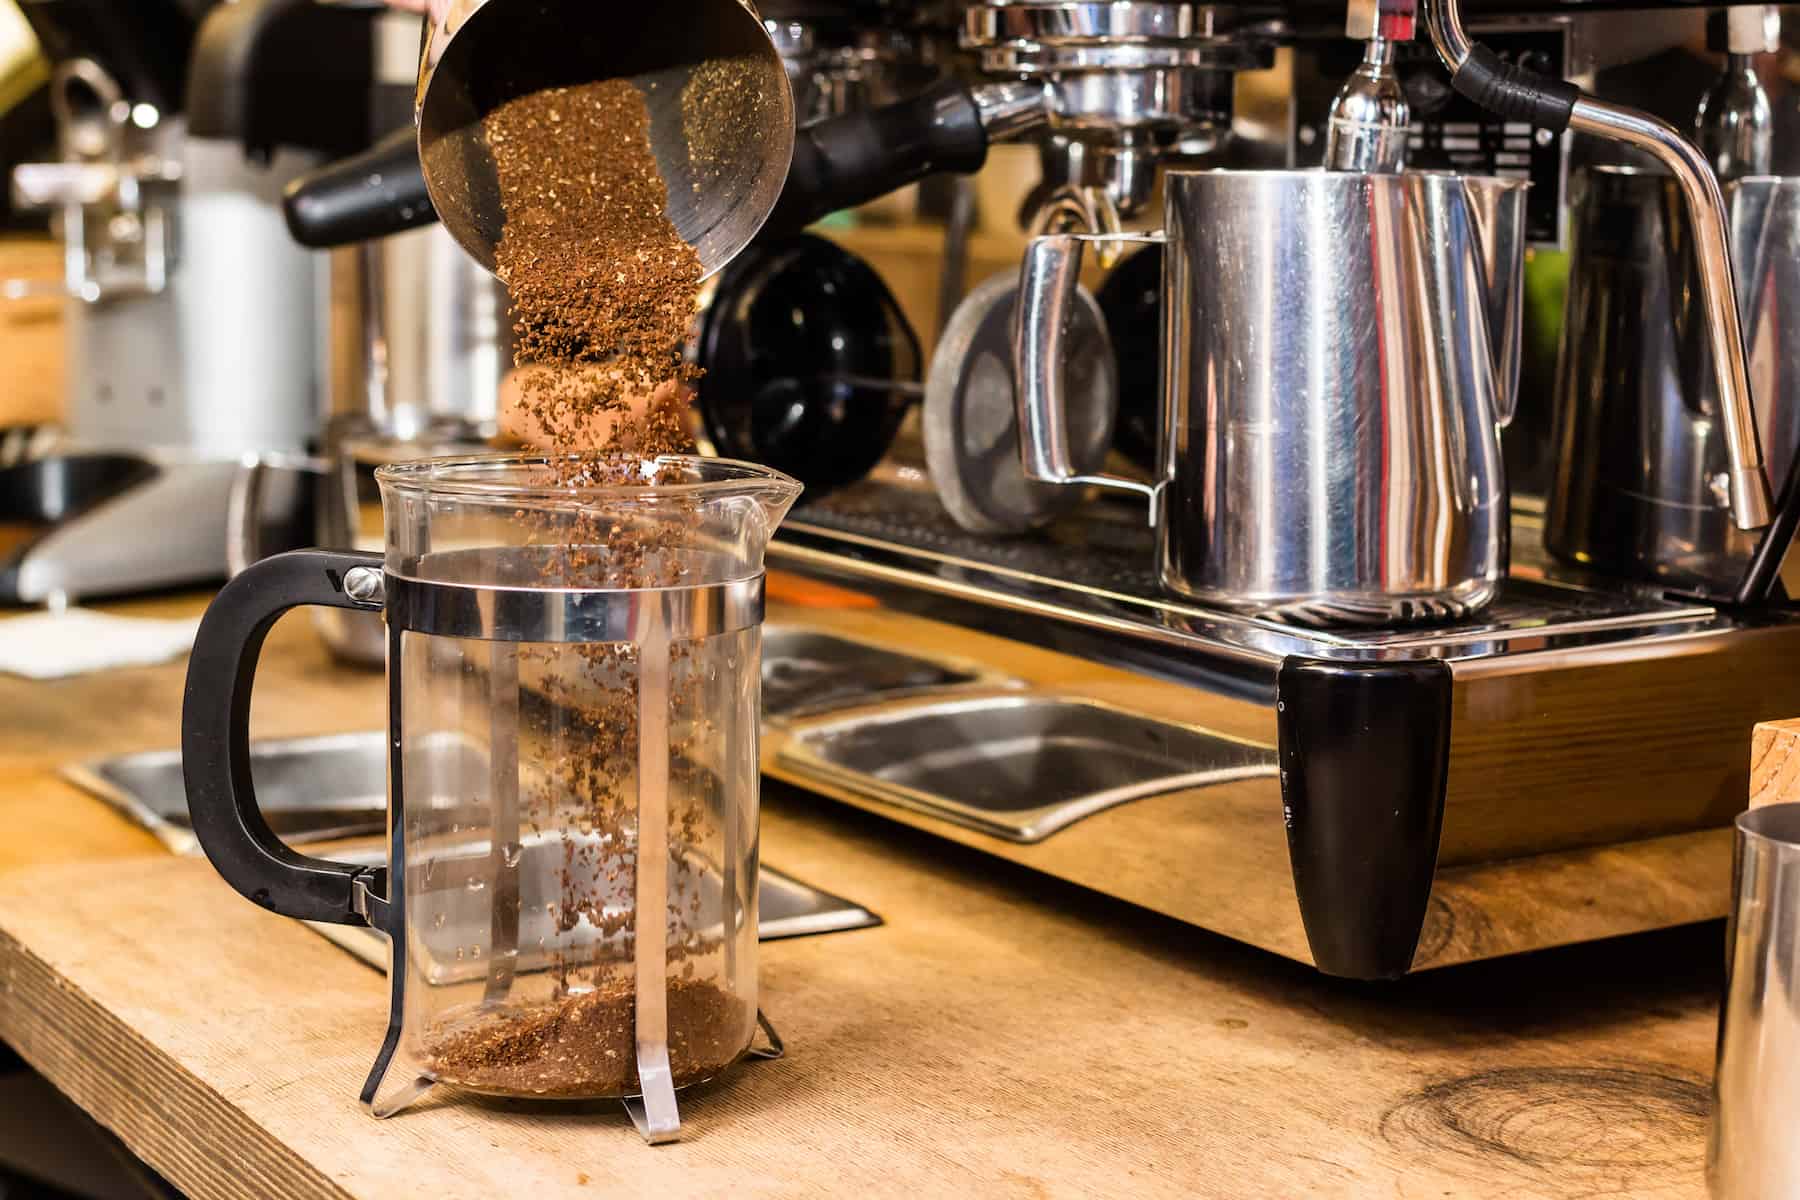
1735	125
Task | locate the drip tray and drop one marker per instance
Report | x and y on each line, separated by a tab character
1018	767
322	788
309	789
806	672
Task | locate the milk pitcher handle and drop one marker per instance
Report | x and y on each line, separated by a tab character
1047	282
215	736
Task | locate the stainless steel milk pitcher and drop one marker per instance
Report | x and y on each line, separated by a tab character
1339	352
1642	483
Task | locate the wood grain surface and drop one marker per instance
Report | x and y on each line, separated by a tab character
1002	1034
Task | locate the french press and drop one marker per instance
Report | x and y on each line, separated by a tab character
573	696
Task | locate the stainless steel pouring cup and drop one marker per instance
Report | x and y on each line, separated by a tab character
721	111
1642	483
1339	353
1752	1153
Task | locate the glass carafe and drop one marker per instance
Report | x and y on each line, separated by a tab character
573	676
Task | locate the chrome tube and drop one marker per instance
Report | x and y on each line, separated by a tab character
1369	118
1444	23
1011	108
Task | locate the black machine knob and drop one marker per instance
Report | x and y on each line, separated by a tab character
810	364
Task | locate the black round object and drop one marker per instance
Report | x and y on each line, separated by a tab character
1131	300
143	44
810	364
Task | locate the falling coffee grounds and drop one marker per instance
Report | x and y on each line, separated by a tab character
603	287
603	291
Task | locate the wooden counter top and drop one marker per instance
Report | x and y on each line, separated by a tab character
1002	1033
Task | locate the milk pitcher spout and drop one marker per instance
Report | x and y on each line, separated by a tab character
1497	216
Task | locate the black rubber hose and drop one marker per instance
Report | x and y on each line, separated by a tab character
844	161
369	195
1762	578
1514	92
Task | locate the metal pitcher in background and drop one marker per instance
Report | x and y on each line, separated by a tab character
1339	354
1752	1153
1641	486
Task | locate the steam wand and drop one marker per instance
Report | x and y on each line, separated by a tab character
1522	95
1369	117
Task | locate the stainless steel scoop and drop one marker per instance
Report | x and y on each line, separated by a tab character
721	112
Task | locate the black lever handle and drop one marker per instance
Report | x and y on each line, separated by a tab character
847	160
368	195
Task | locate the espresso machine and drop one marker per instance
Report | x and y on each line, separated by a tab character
1260	634
191	320
1257	634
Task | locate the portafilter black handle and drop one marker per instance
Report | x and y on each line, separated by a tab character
368	195
848	160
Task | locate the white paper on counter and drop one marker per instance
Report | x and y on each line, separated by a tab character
77	640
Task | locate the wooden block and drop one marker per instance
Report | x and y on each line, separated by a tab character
1775	763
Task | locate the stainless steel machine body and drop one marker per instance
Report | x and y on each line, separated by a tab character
1560	767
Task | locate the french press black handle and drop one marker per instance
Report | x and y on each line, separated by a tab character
215	734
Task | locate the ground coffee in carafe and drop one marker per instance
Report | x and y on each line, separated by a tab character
603	291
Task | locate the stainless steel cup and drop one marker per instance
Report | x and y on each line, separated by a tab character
1339	352
1752	1153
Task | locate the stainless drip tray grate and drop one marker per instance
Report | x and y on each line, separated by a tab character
1018	767
1100	546
1095	566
